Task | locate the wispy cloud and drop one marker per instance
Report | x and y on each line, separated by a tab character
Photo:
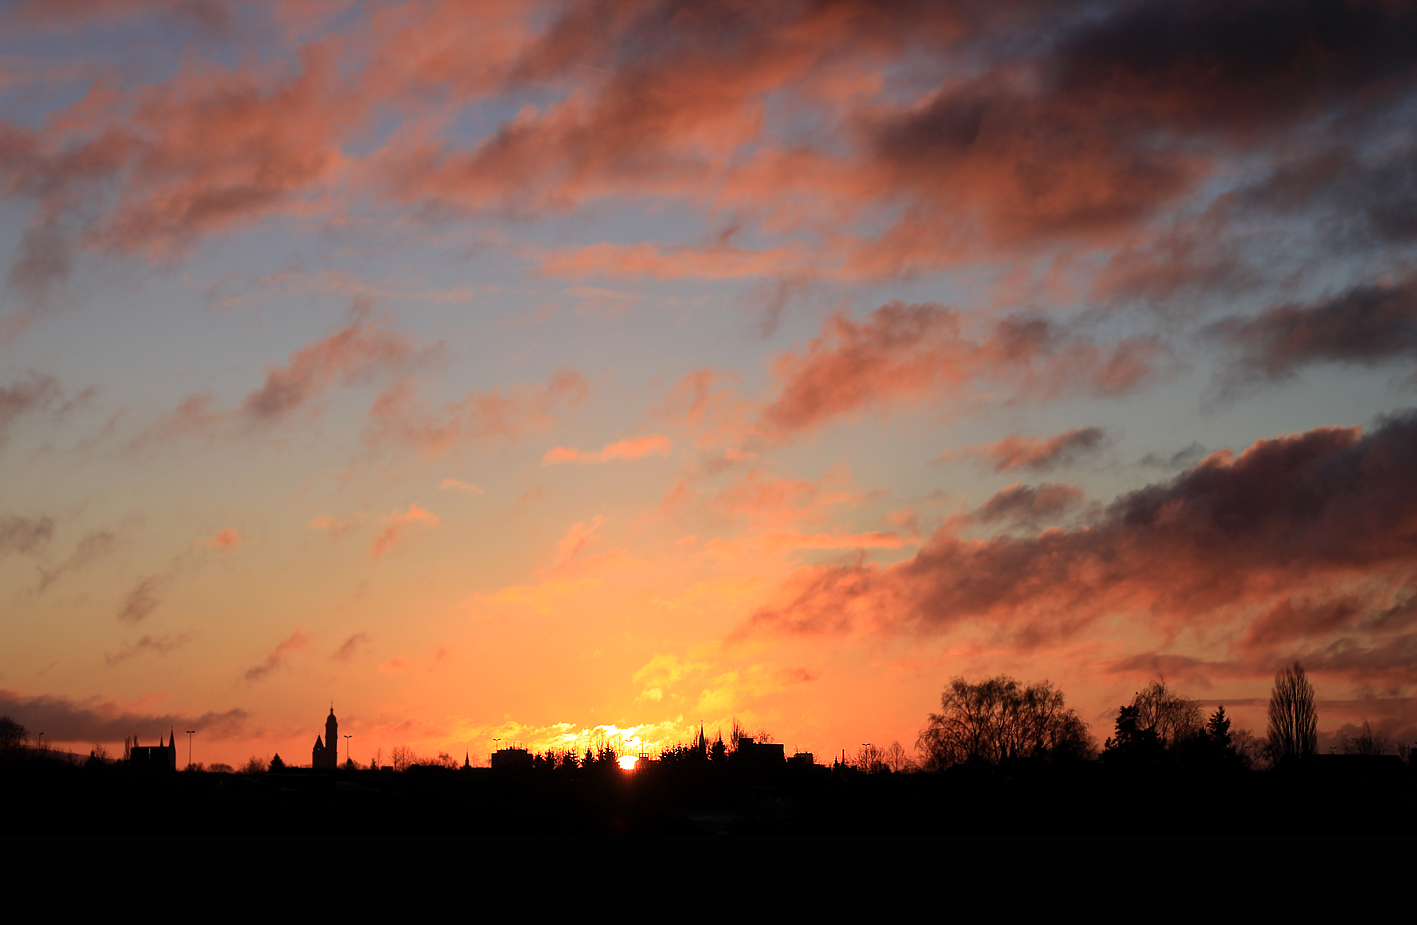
297	641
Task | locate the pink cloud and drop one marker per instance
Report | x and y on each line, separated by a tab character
398	418
909	354
297	641
228	538
628	448
575	541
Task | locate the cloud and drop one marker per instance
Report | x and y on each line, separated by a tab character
1298	516
336	527
628	448
830	124
360	352
159	645
1366	325
25	535
398	418
91	547
766	502
783	542
663	671
352	354
297	641
910	354
397	525
458	485
30	395
1034	453
206	14
145	597
646	260
227	538
544	595
350	647
1028	505
1181	459
95	720
574	542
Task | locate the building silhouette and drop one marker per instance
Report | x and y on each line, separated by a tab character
158	757
325	755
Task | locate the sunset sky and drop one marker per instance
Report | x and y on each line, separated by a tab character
533	371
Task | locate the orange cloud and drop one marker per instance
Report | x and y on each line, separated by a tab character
396	527
628	448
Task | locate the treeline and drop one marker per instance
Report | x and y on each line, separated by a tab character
999	722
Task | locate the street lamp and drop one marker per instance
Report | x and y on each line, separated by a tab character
190	733
346	748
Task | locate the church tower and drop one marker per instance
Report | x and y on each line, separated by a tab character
325	755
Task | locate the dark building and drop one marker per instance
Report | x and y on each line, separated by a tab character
157	757
325	755
511	759
760	754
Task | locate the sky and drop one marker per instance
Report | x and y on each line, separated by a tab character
538	373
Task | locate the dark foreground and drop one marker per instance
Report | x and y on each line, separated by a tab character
1015	835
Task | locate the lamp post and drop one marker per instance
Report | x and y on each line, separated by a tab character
346	748
190	733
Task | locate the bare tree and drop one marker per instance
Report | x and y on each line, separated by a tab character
254	765
998	719
870	759
1366	743
1171	716
1293	722
402	757
897	759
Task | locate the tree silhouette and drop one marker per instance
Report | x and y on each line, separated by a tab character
12	734
1217	729
1173	717
1133	743
998	720
1293	723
